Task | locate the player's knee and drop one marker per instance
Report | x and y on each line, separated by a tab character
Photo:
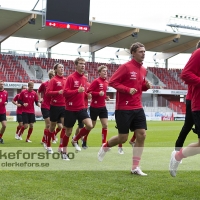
89	127
60	126
123	139
141	136
4	126
25	126
105	126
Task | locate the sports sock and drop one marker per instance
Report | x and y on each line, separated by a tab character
49	139
30	130
53	136
82	133
18	128
44	139
65	143
119	145
104	135
136	161
106	146
179	155
21	131
57	130
133	138
62	134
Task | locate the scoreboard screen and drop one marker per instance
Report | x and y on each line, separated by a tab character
68	14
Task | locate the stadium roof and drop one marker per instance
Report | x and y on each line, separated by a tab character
15	23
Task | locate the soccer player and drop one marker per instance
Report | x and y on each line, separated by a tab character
57	104
129	81
45	109
98	108
189	122
191	76
45	106
27	99
19	112
80	124
75	95
3	103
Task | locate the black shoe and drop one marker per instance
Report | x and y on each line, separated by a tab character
1	141
84	145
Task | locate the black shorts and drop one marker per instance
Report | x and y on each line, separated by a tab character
98	112
196	118
72	116
130	120
80	124
45	113
3	117
56	112
19	118
28	118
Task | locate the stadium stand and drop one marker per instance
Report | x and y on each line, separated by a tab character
177	106
24	68
171	78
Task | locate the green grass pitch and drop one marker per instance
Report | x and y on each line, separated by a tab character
85	178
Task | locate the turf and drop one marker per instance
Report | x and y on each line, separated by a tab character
86	178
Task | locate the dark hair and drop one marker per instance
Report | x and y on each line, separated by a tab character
55	67
198	45
24	87
134	46
77	60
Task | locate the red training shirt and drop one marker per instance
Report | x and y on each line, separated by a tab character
191	76
46	99
129	75
3	99
99	84
75	101
28	97
56	84
19	109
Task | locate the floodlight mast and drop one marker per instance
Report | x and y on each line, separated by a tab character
184	22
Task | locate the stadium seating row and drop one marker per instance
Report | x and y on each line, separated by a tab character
12	70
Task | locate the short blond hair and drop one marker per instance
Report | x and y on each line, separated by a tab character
30	83
51	73
101	67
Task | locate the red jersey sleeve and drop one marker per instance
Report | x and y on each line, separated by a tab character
116	78
68	85
41	89
92	88
50	89
16	98
144	86
190	71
